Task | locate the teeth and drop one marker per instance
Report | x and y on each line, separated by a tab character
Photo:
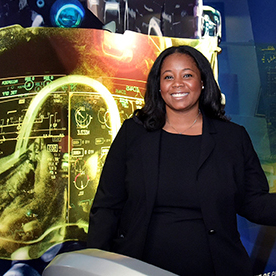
179	94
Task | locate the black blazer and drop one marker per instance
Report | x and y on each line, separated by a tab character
230	181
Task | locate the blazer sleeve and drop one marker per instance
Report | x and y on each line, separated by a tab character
110	196
259	206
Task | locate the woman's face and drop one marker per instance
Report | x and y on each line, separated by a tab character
180	83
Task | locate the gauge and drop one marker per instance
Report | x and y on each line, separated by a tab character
83	119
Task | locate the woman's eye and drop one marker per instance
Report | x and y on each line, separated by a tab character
168	77
188	75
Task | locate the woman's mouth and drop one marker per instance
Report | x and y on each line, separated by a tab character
179	94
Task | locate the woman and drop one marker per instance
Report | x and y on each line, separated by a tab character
177	174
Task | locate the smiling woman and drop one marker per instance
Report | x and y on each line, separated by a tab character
180	87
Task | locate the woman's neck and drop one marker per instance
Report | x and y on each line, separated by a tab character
189	123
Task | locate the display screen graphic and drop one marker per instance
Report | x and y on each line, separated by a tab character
64	94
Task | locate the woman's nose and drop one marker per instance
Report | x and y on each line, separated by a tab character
178	83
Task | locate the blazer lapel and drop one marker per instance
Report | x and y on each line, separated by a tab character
207	143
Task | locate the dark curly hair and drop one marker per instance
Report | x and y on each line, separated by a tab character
153	113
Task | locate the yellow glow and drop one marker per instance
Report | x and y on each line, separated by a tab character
40	98
47	90
120	46
91	166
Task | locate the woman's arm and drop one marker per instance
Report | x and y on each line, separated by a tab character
259	206
110	196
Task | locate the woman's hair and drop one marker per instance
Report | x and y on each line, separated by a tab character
153	113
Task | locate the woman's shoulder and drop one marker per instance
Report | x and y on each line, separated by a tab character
226	124
133	126
132	122
228	127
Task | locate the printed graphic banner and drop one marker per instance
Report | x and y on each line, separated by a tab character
64	94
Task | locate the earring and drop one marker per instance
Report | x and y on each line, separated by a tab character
203	87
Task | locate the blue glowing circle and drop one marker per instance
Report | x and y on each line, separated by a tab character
67	14
40	3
